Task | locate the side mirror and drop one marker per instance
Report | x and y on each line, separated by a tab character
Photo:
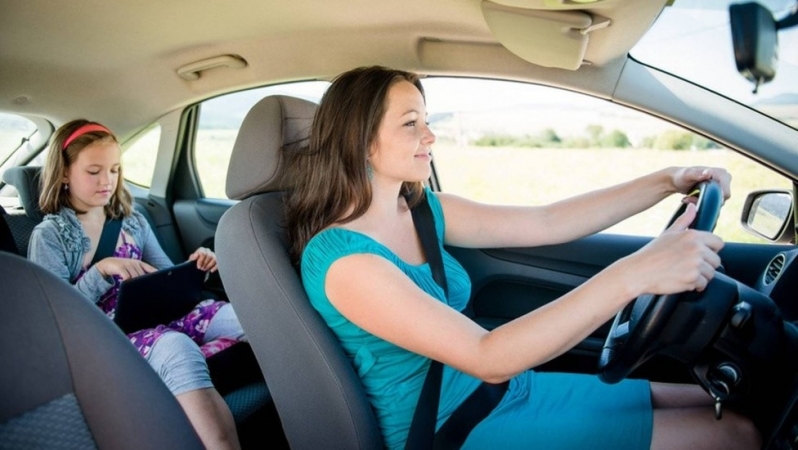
768	214
755	42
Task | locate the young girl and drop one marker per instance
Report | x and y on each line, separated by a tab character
81	190
365	272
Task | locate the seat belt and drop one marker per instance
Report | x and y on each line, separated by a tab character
108	240
422	428
480	403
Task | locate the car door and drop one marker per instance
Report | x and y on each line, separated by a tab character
531	145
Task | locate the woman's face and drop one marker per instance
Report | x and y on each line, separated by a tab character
401	151
93	177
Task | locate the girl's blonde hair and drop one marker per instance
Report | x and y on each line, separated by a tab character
54	195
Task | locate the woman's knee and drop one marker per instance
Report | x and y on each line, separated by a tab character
180	363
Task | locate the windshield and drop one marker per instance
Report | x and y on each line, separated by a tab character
692	40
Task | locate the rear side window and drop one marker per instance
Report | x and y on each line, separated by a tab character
219	121
14	130
140	155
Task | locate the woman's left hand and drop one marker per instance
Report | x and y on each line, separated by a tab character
684	178
206	259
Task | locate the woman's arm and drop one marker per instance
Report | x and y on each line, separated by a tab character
375	295
471	224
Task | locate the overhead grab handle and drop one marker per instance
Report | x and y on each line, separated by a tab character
192	71
599	22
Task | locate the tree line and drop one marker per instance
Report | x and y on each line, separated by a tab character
596	137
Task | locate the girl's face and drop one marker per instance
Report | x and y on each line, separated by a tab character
401	151
93	177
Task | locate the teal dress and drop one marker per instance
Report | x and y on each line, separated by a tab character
539	410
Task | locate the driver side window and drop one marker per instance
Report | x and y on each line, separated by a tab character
523	144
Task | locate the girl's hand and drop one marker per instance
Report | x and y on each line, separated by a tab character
206	259
125	268
685	178
679	260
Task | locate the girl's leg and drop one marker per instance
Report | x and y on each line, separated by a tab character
684	417
181	365
210	417
224	324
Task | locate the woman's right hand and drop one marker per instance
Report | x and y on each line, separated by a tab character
679	260
125	268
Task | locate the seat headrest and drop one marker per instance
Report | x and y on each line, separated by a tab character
276	124
25	180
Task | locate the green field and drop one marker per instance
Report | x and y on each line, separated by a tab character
539	176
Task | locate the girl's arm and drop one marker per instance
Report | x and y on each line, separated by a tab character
47	250
376	296
471	224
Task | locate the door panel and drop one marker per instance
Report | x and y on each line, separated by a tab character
507	283
197	221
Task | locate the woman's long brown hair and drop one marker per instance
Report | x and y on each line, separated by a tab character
329	177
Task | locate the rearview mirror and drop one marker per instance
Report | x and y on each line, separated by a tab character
768	214
755	42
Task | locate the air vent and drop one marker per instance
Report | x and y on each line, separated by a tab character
774	269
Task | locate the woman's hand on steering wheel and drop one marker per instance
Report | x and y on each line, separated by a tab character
664	273
679	260
684	179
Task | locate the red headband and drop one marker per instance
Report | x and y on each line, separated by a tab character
88	128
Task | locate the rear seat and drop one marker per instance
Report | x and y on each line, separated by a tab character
22	220
7	243
234	371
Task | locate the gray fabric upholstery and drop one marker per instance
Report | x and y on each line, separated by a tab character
7	242
318	395
21	227
273	123
25	180
56	425
56	344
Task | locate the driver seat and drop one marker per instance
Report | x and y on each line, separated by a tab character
319	397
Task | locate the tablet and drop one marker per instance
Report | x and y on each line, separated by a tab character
158	298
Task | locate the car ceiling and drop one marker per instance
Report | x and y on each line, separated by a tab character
116	62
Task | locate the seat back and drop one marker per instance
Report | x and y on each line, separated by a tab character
71	379
318	395
7	243
25	180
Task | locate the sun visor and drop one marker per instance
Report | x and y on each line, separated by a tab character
548	38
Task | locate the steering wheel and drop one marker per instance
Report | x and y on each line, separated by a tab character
635	332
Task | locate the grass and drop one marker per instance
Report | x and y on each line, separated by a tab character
527	176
